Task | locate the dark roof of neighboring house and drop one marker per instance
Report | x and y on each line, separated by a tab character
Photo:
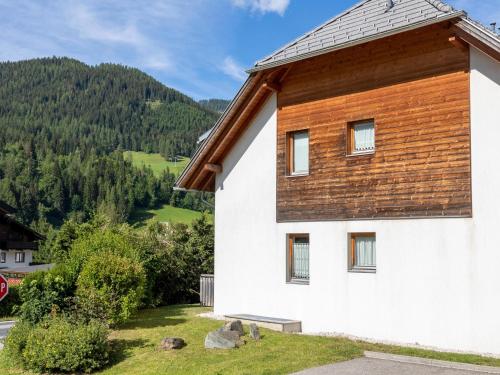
369	20
6	212
364	22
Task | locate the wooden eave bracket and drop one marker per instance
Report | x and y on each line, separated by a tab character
215	168
459	43
272	86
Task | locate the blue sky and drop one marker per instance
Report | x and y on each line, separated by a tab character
200	47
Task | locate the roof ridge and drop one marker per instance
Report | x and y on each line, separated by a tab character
440	5
317	28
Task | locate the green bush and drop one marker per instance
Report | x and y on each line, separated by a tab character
10	303
16	341
110	287
57	345
42	292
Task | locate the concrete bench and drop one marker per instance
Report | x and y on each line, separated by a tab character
275	324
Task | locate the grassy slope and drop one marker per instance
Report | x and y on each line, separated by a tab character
136	349
156	162
164	214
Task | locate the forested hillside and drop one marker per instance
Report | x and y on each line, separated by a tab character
217	105
66	105
64	125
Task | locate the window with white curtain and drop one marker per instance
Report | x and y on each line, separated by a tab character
362	137
298	152
363	252
20	257
298	258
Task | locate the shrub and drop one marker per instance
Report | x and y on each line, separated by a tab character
111	286
57	345
41	292
10	303
16	341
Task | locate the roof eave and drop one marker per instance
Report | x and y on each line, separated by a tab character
181	182
417	25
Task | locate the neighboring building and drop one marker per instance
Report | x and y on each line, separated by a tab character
356	180
17	241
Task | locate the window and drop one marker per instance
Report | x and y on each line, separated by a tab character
362	252
361	137
3	257
298	153
19	257
298	258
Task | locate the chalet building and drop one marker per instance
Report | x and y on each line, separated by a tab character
357	181
17	241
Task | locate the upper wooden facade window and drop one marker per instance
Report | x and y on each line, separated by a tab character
298	153
361	137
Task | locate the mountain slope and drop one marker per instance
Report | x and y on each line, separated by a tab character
63	125
69	105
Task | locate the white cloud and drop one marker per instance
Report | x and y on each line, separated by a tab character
264	6
233	69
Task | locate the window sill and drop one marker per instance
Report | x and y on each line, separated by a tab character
361	153
362	270
297	175
298	282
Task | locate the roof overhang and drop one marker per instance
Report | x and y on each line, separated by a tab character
200	173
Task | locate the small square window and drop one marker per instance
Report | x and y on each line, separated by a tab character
20	257
362	252
298	153
298	258
3	257
361	137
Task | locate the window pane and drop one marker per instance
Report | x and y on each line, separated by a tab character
365	252
300	261
364	137
301	152
3	257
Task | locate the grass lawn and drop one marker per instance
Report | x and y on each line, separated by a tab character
156	162
167	213
135	348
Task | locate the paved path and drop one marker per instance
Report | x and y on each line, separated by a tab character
4	329
398	365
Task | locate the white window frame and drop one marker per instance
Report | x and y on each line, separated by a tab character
352	262
22	254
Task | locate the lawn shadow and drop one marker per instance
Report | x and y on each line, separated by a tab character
159	317
123	349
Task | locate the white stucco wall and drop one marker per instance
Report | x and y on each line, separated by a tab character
437	281
11	259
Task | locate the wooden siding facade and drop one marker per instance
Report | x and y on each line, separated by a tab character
415	86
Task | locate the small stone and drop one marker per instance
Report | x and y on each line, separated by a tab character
254	331
235	325
170	343
216	340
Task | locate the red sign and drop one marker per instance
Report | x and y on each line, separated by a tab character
4	287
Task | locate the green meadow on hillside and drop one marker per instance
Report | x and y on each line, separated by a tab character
156	162
165	214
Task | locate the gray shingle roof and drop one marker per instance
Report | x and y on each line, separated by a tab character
365	20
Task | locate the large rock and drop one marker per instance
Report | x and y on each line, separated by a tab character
254	331
235	326
223	340
169	343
